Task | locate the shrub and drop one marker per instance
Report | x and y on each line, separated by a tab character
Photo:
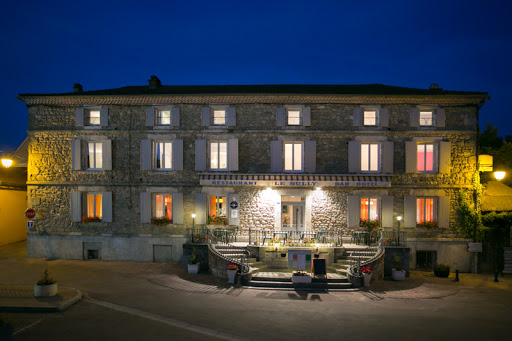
442	270
397	263
46	280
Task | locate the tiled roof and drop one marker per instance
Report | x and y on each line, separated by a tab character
306	89
496	196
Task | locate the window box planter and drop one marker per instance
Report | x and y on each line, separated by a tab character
398	275
296	279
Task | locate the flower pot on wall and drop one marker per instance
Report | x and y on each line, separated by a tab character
398	275
45	290
193	268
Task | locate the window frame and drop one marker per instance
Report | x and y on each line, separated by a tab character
85	207
432	119
209	146
377	121
217	208
154	205
369	200
435	207
212	116
97	156
300	118
435	161
154	155
369	156
87	117
158	117
293	143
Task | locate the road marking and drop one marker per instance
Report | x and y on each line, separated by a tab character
27	327
168	321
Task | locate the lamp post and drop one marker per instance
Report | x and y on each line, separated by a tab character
399	218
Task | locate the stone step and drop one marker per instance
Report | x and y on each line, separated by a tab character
298	286
340	279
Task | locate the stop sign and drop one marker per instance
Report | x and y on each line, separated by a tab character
30	213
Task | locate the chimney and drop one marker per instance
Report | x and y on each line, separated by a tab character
435	86
77	88
154	83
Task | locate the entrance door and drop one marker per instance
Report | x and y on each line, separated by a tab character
293	213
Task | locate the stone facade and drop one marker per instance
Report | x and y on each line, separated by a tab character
52	178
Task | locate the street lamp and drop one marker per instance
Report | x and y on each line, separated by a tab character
399	218
6	162
499	175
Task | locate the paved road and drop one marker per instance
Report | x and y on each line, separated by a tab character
153	301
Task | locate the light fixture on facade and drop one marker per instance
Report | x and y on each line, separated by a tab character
499	175
399	218
319	188
6	162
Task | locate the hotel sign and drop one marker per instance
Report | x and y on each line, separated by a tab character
266	183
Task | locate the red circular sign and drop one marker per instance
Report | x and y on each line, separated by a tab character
30	213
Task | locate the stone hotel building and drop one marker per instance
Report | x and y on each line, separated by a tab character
103	163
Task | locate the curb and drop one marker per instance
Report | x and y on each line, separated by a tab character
32	305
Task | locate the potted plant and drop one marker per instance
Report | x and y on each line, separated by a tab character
46	286
441	270
398	272
160	221
367	275
232	269
301	277
193	264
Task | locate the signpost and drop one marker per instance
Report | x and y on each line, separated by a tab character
30	213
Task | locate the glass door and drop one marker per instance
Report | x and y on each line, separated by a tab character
292	213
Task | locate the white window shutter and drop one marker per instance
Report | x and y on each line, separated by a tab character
306	116
200	209
200	155
415	117
177	155
205	116
354	156
358	117
409	211
104	117
106	207
445	150
443	217
354	210
387	211
231	119
276	156
233	220
107	154
233	155
177	208
145	154
388	152
76	206
150	117
310	156
79	117
175	117
76	154
145	207
440	117
410	156
281	117
384	117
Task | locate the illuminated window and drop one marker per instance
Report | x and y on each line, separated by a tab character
162	206
293	156
425	210
217	206
163	117
293	117
218	155
93	205
370	117
369	157
426	118
218	116
369	208
94	155
425	157
163	155
92	117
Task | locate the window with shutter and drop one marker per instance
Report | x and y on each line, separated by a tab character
293	156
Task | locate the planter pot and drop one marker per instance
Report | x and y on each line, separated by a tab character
231	276
45	290
398	275
366	279
193	269
301	279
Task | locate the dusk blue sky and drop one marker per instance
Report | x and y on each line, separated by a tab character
49	45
